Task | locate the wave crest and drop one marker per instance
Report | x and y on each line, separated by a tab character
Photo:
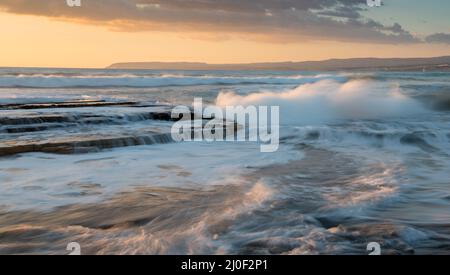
329	100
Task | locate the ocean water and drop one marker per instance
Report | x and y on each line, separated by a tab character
86	156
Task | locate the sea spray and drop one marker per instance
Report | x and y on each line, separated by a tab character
329	100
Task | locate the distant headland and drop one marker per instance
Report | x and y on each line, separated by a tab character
389	64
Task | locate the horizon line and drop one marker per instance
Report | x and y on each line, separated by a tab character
108	67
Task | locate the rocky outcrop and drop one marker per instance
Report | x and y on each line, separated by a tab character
71	104
86	130
84	145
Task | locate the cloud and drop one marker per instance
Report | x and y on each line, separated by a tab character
270	20
342	12
443	38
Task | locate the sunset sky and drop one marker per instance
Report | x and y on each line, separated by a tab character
100	32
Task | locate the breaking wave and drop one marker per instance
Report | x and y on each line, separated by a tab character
330	100
149	79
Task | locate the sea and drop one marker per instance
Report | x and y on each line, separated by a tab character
86	156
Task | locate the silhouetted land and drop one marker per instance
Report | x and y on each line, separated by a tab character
388	64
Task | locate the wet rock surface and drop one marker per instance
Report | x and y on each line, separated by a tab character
66	104
87	126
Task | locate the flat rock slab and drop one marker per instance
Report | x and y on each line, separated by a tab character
84	144
84	130
71	104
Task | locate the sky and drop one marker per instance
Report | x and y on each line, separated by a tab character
49	33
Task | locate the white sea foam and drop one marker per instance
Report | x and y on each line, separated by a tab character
329	100
55	80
